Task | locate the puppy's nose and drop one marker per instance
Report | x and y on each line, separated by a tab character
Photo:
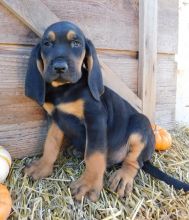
60	66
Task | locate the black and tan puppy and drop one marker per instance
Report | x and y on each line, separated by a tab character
64	77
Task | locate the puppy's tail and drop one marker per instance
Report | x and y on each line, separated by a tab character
157	173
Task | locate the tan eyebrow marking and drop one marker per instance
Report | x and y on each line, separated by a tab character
70	35
51	35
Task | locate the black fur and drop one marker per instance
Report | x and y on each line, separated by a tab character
95	76
34	83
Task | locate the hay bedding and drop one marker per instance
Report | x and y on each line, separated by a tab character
151	199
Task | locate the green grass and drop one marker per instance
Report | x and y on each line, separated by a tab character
50	198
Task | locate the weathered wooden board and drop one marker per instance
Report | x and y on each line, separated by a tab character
101	22
123	64
118	86
21	121
26	11
166	91
147	56
168	26
23	139
166	117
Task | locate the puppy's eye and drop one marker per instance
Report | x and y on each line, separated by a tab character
75	43
47	43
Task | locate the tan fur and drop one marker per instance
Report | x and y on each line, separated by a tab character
44	166
53	143
45	64
51	36
49	107
75	108
91	181
70	35
56	83
135	148
89	63
79	62
95	166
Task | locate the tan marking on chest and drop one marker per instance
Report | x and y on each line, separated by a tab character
57	84
75	108
49	107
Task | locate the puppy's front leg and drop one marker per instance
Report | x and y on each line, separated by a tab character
44	166
91	182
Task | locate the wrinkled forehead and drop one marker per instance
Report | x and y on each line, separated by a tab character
63	30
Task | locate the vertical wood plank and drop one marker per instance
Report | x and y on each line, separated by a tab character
148	10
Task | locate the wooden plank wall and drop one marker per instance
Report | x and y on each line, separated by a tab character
148	10
114	34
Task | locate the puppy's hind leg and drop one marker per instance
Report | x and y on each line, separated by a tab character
141	147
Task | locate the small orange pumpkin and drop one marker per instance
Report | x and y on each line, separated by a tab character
162	138
5	202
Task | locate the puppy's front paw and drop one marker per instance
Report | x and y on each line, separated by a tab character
39	169
121	183
85	187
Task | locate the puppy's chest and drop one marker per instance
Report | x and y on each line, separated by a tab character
74	108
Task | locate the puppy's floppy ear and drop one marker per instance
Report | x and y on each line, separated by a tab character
95	81
34	83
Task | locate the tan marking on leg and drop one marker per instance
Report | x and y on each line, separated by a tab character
53	143
95	167
51	35
49	107
75	108
136	146
91	181
122	180
70	35
44	166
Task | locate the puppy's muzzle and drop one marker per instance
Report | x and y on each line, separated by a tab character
60	66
